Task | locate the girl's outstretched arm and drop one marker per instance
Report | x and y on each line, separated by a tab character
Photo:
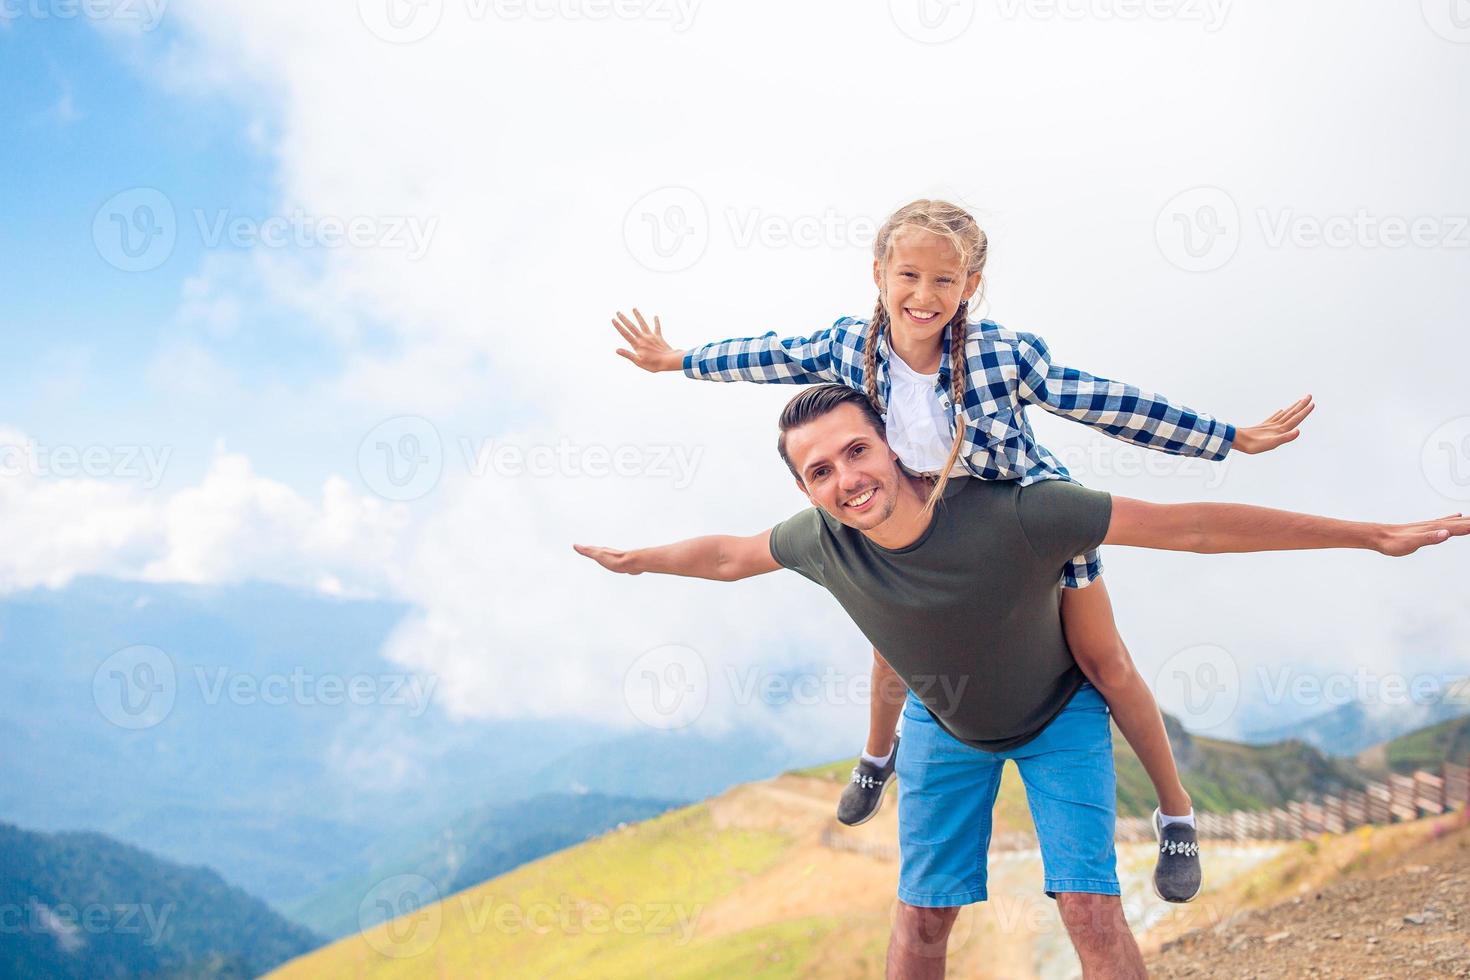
1141	417
768	358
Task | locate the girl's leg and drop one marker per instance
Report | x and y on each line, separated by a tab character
1087	617
884	707
863	795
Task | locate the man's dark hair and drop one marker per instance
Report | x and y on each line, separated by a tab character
813	403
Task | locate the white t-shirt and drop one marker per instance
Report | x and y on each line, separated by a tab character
919	429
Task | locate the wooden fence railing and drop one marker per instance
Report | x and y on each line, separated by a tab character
1400	798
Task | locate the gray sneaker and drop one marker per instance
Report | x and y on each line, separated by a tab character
1177	876
864	793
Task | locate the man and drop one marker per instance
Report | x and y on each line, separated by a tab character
964	605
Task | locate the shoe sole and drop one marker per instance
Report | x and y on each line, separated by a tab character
882	792
1158	839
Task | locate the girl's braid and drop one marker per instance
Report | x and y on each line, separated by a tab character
958	328
870	354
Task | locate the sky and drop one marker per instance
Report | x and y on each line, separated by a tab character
321	294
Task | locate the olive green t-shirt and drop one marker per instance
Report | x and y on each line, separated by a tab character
969	615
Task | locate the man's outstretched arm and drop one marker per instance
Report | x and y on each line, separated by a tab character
1210	528
722	557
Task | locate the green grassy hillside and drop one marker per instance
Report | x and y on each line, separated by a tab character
1426	749
630	898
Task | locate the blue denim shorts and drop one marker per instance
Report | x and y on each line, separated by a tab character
947	789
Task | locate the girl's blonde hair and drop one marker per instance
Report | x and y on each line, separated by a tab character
961	230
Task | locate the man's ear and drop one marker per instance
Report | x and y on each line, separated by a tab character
802	487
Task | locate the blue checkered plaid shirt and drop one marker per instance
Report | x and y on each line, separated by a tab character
1008	370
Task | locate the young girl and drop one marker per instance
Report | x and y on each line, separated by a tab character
958	408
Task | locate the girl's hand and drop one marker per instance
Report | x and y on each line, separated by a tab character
1278	429
650	351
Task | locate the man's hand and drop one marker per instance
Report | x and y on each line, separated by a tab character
1398	540
609	558
1276	430
719	557
650	351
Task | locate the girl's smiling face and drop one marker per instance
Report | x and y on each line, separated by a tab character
922	286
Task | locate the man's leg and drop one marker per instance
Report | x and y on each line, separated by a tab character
946	791
919	941
1101	936
1071	789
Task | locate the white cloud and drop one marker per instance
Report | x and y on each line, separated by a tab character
528	141
233	525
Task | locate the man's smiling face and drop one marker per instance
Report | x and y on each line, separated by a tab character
845	467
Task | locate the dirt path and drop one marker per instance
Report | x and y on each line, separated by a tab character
1403	915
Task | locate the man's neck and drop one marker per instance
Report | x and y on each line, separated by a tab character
908	522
